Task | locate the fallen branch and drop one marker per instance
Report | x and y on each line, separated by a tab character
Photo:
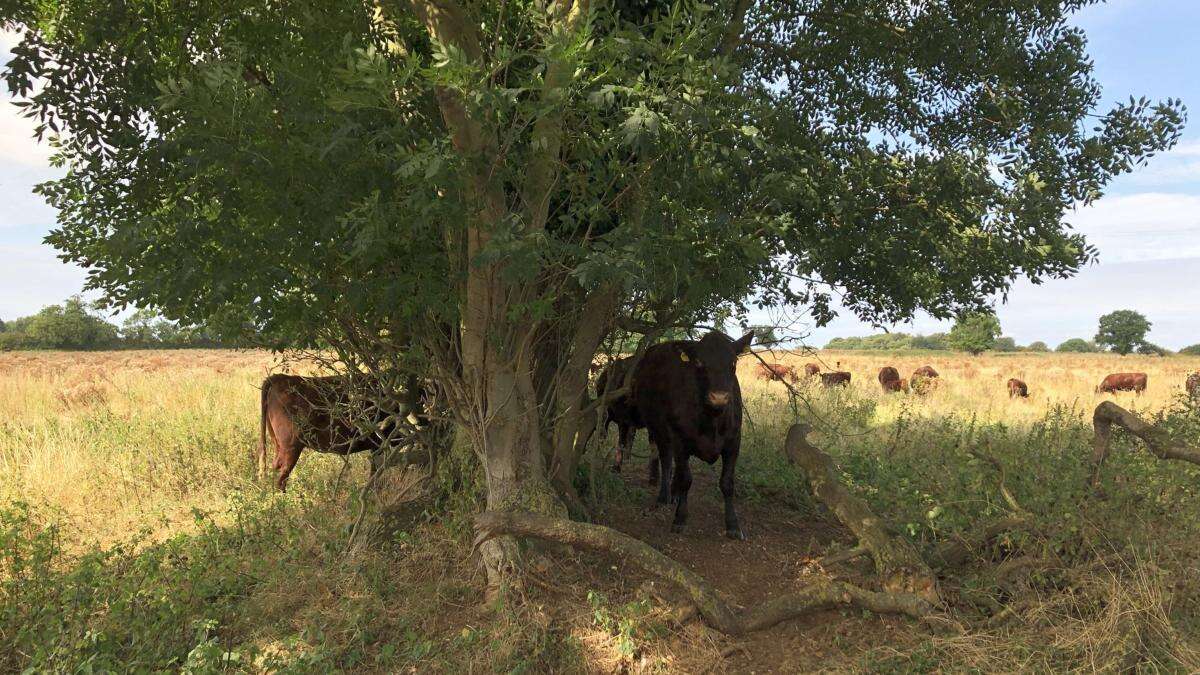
822	594
1108	413
897	562
956	552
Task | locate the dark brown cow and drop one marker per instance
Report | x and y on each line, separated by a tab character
1192	386
296	411
621	410
776	372
889	379
834	379
1017	389
811	369
688	397
1135	382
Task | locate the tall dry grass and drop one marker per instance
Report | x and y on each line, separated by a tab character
975	386
121	441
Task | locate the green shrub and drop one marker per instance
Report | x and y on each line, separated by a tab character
1077	345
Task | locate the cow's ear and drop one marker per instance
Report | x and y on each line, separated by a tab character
743	343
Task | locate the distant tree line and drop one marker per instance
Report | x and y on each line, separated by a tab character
1123	332
75	324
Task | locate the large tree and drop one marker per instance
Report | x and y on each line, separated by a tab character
488	193
975	332
1122	331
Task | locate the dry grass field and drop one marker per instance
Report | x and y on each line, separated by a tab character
134	534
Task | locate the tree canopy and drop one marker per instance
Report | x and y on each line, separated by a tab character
1123	331
976	333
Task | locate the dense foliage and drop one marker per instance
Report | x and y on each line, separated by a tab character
975	333
1122	331
1078	345
76	324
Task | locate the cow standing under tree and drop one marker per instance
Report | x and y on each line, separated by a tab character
316	413
811	369
687	395
1135	382
620	410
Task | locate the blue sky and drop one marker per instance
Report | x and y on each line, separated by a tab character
1147	227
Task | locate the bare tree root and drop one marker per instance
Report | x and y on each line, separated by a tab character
822	594
1108	413
896	561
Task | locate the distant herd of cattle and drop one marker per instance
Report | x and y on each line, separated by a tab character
925	378
685	393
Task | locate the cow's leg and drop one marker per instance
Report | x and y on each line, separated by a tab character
652	470
733	529
286	456
679	489
624	432
665	452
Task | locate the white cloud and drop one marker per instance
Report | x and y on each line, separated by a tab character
1141	227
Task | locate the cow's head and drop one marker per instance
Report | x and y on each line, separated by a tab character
714	358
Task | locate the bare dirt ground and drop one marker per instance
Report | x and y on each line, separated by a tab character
781	545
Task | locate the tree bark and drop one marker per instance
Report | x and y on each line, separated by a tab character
896	561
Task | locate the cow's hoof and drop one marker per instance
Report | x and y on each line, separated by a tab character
735	533
677	527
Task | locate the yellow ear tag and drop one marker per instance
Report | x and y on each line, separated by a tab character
683	357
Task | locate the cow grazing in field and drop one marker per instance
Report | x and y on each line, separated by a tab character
924	380
621	410
834	379
688	397
889	379
925	371
1017	389
1135	382
298	412
811	369
1192	386
776	372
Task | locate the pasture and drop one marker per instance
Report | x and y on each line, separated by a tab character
134	534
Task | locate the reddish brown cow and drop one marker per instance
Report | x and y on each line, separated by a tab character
687	394
1135	382
776	372
298	413
834	379
1193	385
811	369
1017	389
889	379
925	371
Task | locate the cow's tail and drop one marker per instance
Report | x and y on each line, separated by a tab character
262	427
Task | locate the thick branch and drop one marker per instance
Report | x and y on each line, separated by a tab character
820	595
565	20
896	561
737	26
1108	413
